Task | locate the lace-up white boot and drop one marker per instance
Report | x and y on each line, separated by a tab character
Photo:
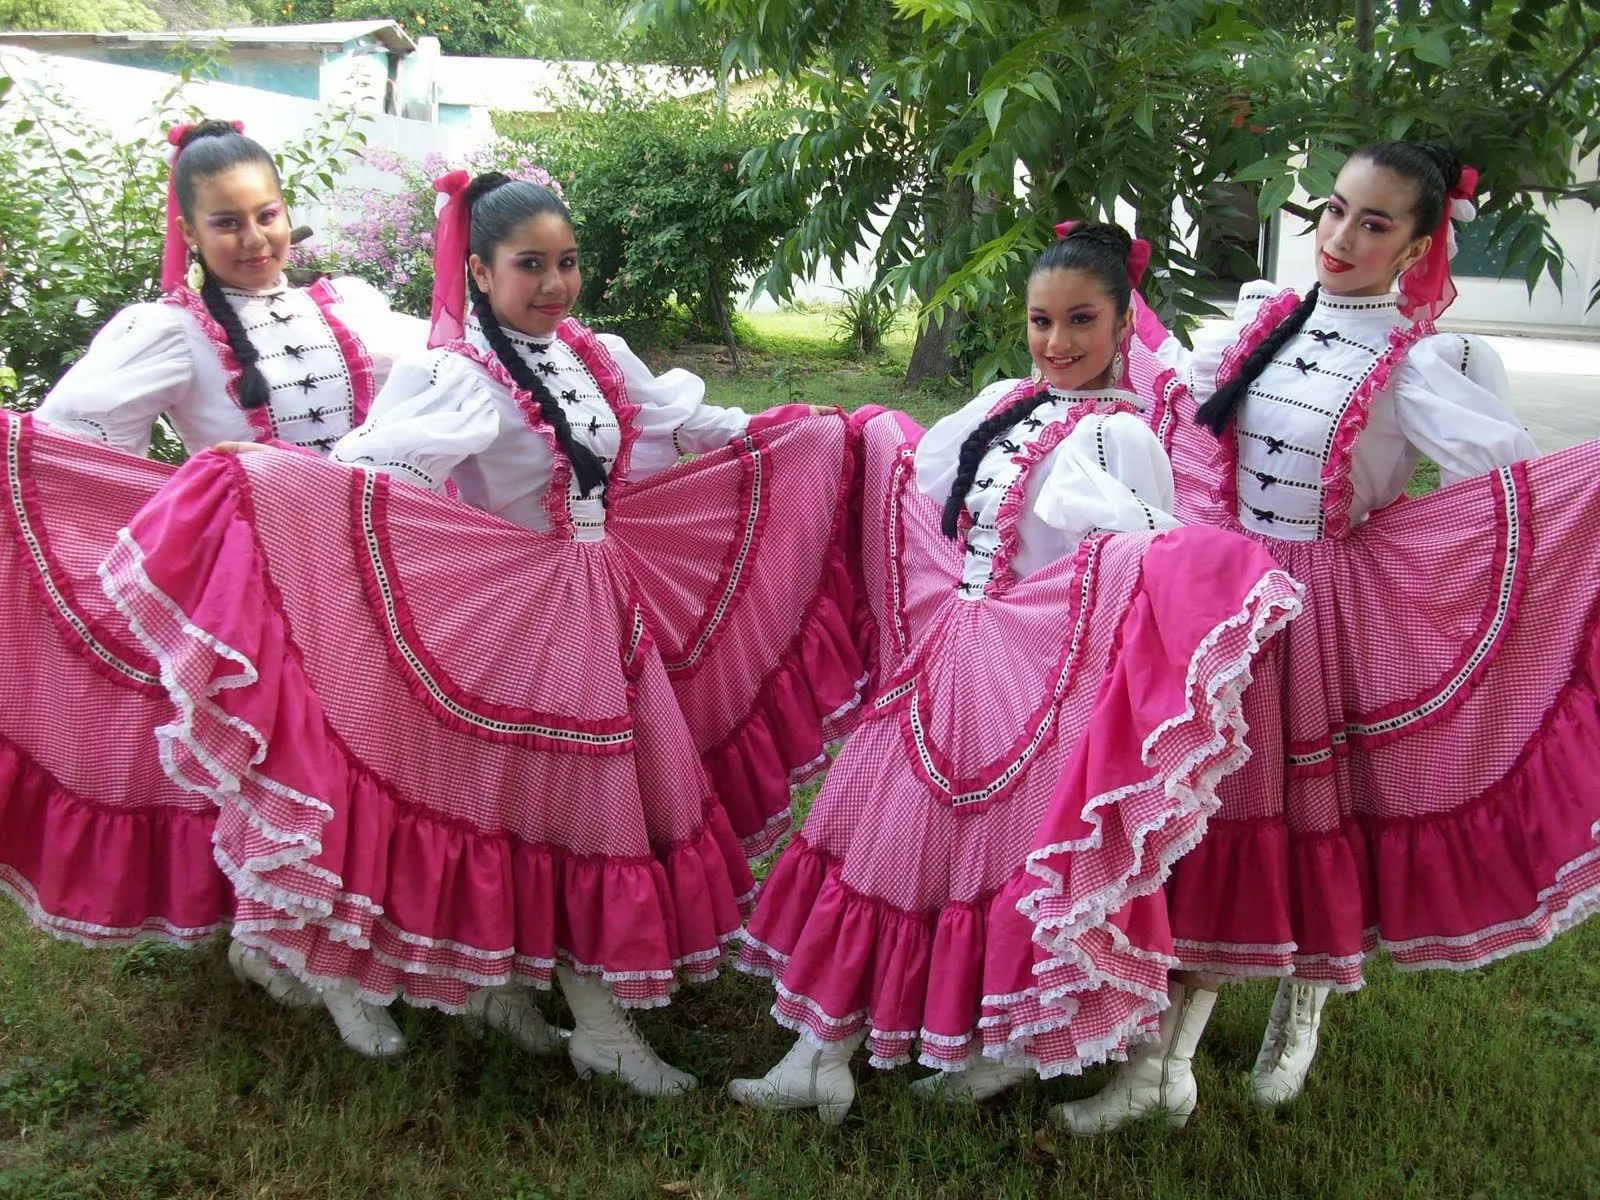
511	1010
806	1077
253	966
1290	1044
368	1029
983	1078
1157	1078
605	1042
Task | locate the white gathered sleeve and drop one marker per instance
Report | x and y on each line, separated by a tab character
1445	410
1109	473
139	366
673	417
386	335
939	452
432	415
1212	340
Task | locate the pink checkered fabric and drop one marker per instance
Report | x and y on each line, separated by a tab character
1421	734
446	752
752	610
96	843
896	909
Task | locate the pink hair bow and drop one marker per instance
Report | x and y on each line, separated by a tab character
1427	289
451	230
1138	253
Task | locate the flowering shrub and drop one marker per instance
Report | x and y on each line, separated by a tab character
654	191
386	237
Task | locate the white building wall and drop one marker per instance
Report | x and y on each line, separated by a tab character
358	78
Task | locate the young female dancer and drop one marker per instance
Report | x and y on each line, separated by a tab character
481	768
1436	701
229	352
937	892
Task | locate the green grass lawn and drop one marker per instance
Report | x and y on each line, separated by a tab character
149	1073
792	358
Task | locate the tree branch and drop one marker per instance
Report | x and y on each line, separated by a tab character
1559	82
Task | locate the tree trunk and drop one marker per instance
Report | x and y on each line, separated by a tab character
1364	24
719	313
933	356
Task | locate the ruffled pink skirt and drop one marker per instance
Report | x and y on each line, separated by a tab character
96	843
408	746
1427	737
982	870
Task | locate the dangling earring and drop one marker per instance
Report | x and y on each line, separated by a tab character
1038	375
196	276
1118	370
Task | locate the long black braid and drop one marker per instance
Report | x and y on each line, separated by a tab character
1100	250
1216	413
208	149
976	446
1435	169
499	204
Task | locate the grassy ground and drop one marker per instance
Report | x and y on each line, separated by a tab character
793	359
149	1073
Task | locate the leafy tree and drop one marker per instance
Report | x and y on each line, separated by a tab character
116	16
962	130
473	27
603	31
85	16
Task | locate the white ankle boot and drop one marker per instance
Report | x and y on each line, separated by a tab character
983	1078
512	1011
253	966
368	1029
1158	1077
806	1077
604	1041
1290	1043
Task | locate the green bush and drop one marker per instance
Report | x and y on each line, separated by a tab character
865	318
83	222
655	189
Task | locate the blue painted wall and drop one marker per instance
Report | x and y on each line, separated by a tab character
300	76
287	77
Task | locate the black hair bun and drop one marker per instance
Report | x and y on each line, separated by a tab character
1102	233
482	185
210	127
1445	159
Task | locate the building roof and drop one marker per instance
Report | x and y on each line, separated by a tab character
543	85
329	35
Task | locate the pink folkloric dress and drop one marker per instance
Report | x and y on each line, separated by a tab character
937	893
81	778
446	751
1426	733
